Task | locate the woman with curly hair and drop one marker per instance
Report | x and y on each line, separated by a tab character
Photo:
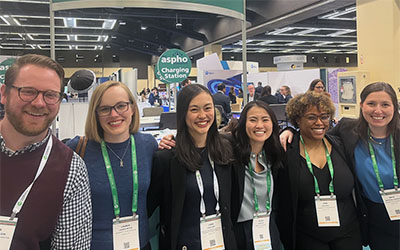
316	207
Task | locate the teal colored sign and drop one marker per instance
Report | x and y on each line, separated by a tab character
5	63
173	66
232	8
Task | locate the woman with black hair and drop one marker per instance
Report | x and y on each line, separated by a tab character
192	182
258	156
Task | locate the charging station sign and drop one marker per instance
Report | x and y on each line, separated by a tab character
173	66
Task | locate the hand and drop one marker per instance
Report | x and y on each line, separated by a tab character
167	142
286	137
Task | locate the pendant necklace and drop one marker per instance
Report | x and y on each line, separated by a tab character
121	159
376	142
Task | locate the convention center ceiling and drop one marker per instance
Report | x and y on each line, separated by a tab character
274	26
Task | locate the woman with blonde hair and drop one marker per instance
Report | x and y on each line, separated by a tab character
117	154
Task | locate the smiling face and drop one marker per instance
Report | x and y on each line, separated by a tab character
314	124
378	110
115	125
258	126
31	118
199	117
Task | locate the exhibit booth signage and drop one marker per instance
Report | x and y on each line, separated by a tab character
173	66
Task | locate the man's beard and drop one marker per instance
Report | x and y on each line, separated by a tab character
18	122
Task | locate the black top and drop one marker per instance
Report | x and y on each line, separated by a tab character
293	200
189	233
343	184
269	99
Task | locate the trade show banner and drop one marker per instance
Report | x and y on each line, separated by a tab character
232	8
5	63
173	66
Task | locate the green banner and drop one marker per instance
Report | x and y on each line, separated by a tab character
232	8
5	63
173	66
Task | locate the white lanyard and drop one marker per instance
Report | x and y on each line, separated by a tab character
201	189
20	202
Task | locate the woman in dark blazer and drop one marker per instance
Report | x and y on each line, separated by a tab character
315	167
378	100
256	143
201	155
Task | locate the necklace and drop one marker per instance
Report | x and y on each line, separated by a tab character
121	161
376	142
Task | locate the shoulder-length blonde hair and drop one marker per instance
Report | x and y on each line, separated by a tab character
93	129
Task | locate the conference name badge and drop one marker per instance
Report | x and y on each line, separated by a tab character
211	233
126	233
327	211
391	199
7	228
261	235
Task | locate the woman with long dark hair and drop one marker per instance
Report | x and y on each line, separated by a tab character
258	156
192	182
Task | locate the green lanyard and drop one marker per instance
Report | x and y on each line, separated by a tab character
111	179
330	166
375	165
268	202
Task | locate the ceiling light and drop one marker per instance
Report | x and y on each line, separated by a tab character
178	24
143	27
108	46
122	22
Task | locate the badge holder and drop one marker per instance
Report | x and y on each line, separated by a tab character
327	211
261	235
211	232
391	199
126	233
7	228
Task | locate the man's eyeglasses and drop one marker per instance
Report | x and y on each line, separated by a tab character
28	94
313	118
120	107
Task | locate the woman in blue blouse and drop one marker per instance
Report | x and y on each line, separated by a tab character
119	161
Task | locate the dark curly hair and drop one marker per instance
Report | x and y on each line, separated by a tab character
298	106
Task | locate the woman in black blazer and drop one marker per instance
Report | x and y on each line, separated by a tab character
258	155
315	171
200	163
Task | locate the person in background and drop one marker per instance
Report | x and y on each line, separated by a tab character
372	146
184	83
267	97
232	95
284	94
252	95
193	181
259	88
315	173
221	99
57	211
318	86
258	159
240	95
114	143
154	97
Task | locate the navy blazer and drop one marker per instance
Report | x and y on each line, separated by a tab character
167	190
